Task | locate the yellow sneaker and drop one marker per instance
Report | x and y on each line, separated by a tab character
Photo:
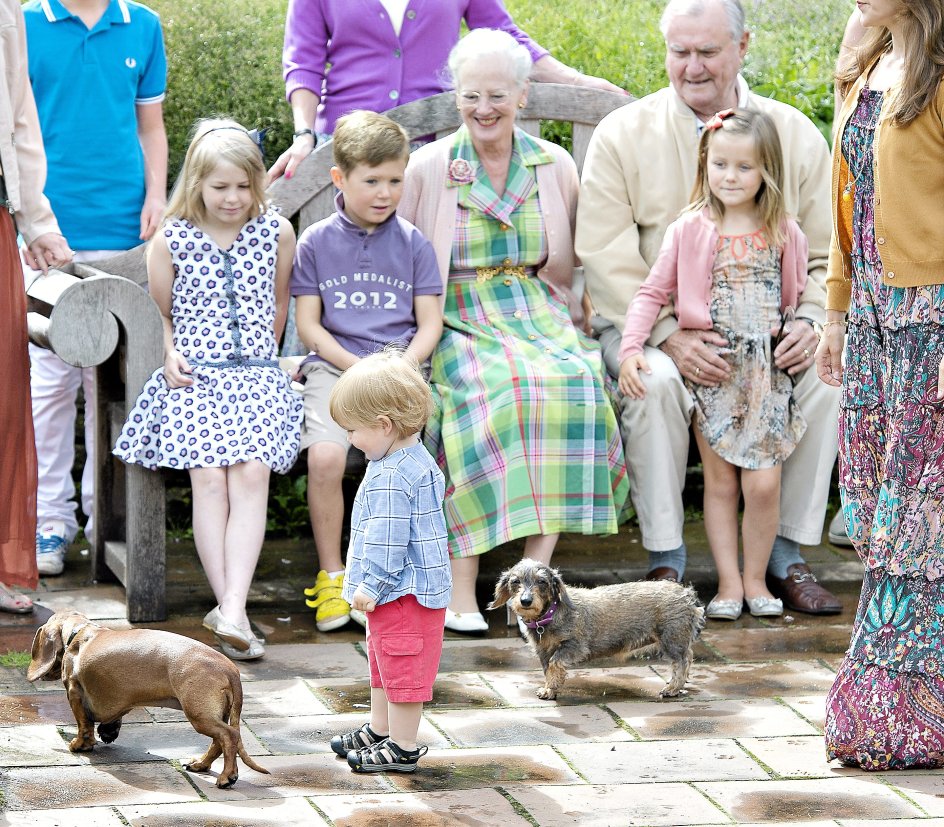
332	612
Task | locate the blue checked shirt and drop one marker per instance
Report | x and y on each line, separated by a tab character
398	532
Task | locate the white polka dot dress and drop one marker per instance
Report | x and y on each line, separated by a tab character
241	405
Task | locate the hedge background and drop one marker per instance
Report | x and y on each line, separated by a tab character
225	57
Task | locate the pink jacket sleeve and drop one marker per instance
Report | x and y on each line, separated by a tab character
654	294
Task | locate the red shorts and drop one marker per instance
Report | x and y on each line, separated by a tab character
404	644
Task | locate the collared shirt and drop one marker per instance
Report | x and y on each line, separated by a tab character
373	66
494	229
398	532
87	83
366	281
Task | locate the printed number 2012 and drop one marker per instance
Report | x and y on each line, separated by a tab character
342	301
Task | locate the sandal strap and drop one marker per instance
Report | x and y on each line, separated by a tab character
387	752
361	738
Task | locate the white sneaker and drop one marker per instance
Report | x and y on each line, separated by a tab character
837	531
51	547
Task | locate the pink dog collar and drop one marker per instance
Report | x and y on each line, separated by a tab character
544	620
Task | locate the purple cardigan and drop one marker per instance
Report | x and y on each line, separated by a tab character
684	267
372	68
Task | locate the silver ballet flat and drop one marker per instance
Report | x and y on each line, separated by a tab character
765	606
724	609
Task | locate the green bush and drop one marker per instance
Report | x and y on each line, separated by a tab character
226	58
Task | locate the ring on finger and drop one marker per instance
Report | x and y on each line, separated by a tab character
806	353
697	371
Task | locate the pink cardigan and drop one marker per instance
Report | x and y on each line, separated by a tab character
431	207
683	268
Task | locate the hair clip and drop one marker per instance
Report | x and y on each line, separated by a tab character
715	121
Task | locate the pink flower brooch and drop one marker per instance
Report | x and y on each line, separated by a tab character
460	171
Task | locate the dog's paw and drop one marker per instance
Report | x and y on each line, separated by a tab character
668	692
545	693
81	743
109	732
196	765
224	782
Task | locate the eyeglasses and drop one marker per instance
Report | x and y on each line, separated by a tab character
470	100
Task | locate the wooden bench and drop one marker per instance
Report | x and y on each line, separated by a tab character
100	315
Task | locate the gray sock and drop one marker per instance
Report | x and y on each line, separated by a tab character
784	554
673	558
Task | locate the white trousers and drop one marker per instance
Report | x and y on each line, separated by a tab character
655	433
54	387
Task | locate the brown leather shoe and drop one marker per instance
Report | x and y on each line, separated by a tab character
801	593
663	573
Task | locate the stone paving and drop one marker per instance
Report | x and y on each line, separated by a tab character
743	746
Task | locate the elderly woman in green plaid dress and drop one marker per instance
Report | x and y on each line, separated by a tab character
524	430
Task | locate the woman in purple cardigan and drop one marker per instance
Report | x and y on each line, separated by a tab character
383	53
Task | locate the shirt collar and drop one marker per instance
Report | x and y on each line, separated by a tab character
525	150
116	13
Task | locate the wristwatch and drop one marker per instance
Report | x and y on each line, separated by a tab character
817	327
301	132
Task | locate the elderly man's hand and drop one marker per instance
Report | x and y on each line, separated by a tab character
47	250
697	357
795	352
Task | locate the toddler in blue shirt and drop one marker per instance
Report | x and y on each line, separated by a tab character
398	570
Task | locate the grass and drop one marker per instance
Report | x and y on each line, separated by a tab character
15	660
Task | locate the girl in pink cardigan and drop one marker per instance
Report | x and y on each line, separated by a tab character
735	265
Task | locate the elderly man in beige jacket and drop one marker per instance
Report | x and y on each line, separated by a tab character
638	175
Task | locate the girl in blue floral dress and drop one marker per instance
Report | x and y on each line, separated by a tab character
885	709
221	406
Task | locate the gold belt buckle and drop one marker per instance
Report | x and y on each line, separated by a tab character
483	274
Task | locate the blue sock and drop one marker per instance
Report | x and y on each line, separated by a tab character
784	554
673	558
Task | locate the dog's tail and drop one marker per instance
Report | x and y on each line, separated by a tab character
235	712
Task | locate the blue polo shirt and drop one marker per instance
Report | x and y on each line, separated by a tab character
87	83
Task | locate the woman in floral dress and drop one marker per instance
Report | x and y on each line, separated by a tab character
886	271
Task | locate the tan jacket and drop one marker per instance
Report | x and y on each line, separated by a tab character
21	144
431	206
638	175
909	211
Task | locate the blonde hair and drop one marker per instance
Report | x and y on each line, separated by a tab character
769	199
922	27
215	140
368	139
387	383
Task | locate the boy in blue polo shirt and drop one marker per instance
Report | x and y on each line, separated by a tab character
363	279
98	72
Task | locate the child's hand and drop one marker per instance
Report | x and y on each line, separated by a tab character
362	602
630	383
176	370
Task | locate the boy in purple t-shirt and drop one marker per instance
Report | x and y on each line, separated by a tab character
363	279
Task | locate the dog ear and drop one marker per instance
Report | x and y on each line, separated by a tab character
502	591
560	589
47	652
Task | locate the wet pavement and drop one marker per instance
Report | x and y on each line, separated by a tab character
742	746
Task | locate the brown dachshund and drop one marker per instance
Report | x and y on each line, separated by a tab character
107	673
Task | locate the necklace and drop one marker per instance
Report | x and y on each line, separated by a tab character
870	125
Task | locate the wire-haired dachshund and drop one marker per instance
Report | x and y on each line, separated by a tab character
567	625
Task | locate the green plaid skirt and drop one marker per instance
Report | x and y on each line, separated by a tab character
523	430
